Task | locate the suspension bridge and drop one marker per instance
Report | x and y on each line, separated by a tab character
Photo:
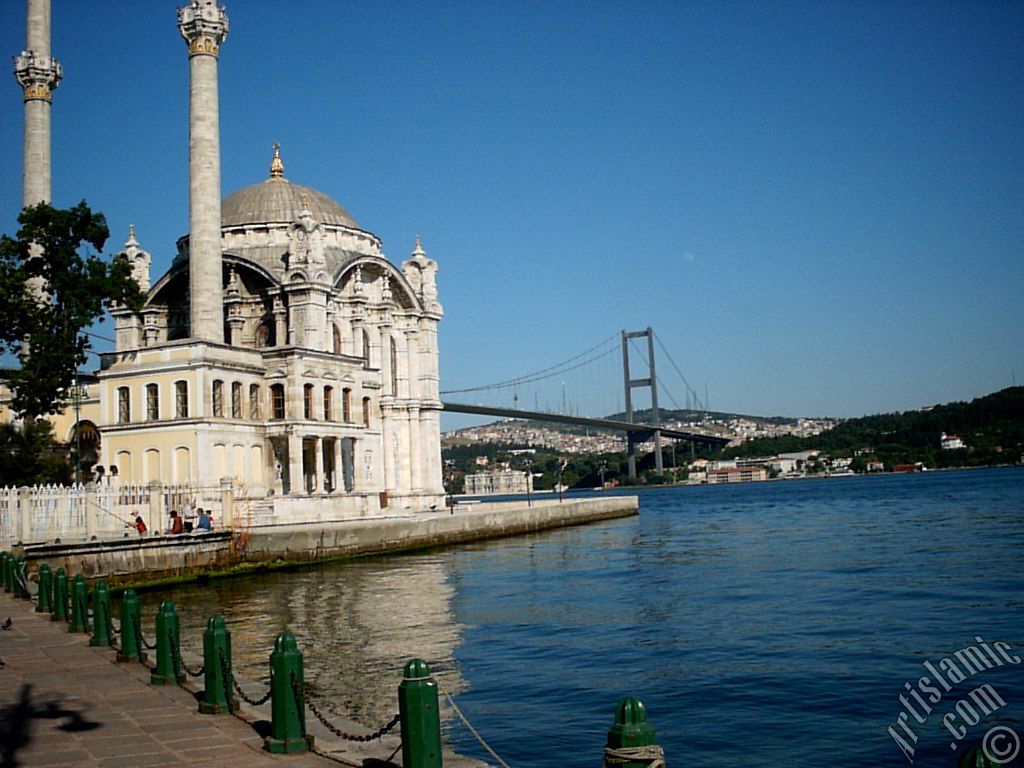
580	372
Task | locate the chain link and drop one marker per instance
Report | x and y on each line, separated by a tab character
348	736
179	663
226	679
252	702
142	638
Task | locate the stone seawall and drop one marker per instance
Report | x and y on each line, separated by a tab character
482	521
160	559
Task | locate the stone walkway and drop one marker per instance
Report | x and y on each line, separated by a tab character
66	704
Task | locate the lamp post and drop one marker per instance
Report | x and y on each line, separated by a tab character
529	477
449	472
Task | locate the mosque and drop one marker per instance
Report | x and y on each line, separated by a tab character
281	349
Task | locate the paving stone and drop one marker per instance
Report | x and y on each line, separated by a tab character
80	708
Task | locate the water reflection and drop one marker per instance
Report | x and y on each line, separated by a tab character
356	623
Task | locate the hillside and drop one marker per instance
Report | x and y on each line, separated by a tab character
992	427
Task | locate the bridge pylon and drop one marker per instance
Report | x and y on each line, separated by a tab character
629	384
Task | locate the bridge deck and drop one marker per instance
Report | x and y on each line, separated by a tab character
637	431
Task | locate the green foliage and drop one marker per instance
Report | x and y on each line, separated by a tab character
29	456
992	427
52	250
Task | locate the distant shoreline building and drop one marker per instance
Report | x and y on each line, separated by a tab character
749	474
498	482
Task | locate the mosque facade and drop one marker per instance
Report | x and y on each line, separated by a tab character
282	349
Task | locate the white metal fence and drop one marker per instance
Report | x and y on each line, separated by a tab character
102	511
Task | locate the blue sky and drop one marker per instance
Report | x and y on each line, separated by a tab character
818	207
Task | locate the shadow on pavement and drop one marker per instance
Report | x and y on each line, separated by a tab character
16	723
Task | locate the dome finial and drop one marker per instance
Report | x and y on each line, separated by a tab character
276	166
418	250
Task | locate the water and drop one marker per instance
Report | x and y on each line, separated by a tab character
770	623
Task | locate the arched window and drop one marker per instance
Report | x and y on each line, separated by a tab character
277	401
181	399
152	402
336	332
262	339
328	403
236	400
394	367
346	405
307	401
366	412
218	398
124	405
255	411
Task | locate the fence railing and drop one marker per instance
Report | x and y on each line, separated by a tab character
102	511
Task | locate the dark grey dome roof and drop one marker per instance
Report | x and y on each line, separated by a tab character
278	200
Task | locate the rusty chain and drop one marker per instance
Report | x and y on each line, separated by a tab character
226	679
250	701
142	637
179	663
348	736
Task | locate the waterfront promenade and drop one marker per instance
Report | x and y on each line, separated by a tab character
64	703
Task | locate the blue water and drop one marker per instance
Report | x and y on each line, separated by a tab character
762	624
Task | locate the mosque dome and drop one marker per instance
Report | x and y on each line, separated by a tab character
277	200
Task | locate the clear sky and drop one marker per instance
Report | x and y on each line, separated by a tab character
819	207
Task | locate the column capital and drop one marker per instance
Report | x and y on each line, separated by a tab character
204	25
38	76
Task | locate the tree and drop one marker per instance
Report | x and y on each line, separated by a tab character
28	455
46	330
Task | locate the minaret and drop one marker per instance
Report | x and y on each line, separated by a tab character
204	25
38	75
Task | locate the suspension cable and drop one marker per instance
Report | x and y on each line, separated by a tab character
545	373
693	392
527	378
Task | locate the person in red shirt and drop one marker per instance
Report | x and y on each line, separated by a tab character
140	524
176	525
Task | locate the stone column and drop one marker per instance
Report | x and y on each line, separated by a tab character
280	323
296	480
38	74
318	464
416	458
227	502
204	25
156	507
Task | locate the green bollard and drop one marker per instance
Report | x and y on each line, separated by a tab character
217	697
420	717
101	635
288	705
131	621
44	602
977	758
60	596
79	605
631	742
5	571
168	640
